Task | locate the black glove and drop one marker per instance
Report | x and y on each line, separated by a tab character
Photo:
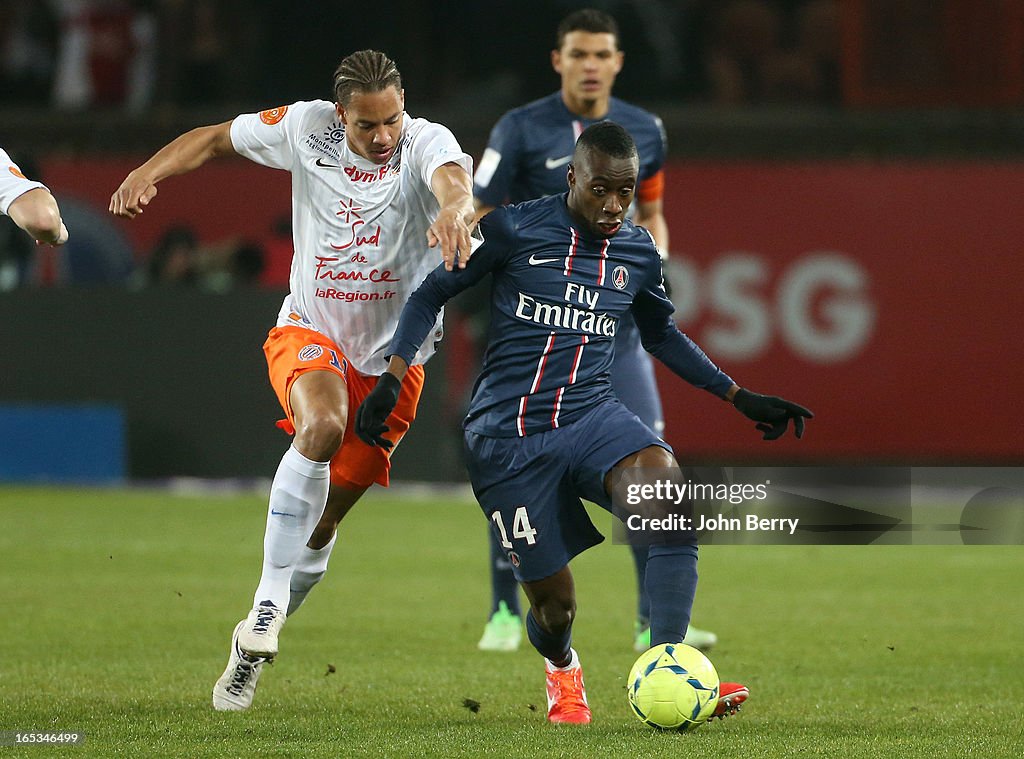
771	413
375	409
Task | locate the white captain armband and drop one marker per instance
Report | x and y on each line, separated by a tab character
488	165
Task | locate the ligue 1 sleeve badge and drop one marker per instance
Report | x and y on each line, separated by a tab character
620	277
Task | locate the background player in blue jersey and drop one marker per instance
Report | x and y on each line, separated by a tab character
544	428
526	158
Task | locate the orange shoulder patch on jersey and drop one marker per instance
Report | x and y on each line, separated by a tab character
652	188
273	115
17	172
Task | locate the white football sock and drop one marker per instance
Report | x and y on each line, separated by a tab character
297	500
310	568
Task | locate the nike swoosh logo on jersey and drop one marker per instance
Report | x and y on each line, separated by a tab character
534	261
327	165
554	163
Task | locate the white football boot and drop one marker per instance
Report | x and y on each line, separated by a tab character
258	634
236	687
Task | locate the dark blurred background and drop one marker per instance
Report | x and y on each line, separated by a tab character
843	195
115	75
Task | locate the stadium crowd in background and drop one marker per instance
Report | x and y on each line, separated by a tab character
131	54
179	259
169	56
161	56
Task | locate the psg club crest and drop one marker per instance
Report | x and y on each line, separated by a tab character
620	277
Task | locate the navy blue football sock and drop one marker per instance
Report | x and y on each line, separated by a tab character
503	583
554	648
671	584
643	601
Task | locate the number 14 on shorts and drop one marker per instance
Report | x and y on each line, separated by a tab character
521	527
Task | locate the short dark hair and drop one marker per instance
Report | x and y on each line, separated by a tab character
587	20
365	71
608	138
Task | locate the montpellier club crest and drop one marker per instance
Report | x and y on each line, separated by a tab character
620	277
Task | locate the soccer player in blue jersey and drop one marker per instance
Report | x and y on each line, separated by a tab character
525	158
544	428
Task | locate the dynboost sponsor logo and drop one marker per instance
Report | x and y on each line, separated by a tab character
358	175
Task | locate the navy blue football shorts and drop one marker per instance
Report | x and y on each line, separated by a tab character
633	376
530	487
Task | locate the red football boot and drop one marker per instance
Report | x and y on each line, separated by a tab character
567	698
730	696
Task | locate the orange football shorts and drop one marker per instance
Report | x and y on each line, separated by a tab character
292	351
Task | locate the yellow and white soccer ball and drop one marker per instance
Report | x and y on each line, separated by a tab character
673	686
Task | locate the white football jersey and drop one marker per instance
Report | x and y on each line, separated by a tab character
359	228
13	183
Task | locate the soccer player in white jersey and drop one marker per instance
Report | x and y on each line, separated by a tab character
373	189
30	204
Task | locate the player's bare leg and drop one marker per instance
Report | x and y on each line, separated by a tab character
552	610
549	626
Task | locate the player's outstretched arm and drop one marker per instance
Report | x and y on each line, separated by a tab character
771	413
37	213
452	185
662	338
183	154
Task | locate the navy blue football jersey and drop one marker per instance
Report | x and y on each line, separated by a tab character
531	147
558	298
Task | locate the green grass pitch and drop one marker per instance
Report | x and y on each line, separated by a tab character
117	608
